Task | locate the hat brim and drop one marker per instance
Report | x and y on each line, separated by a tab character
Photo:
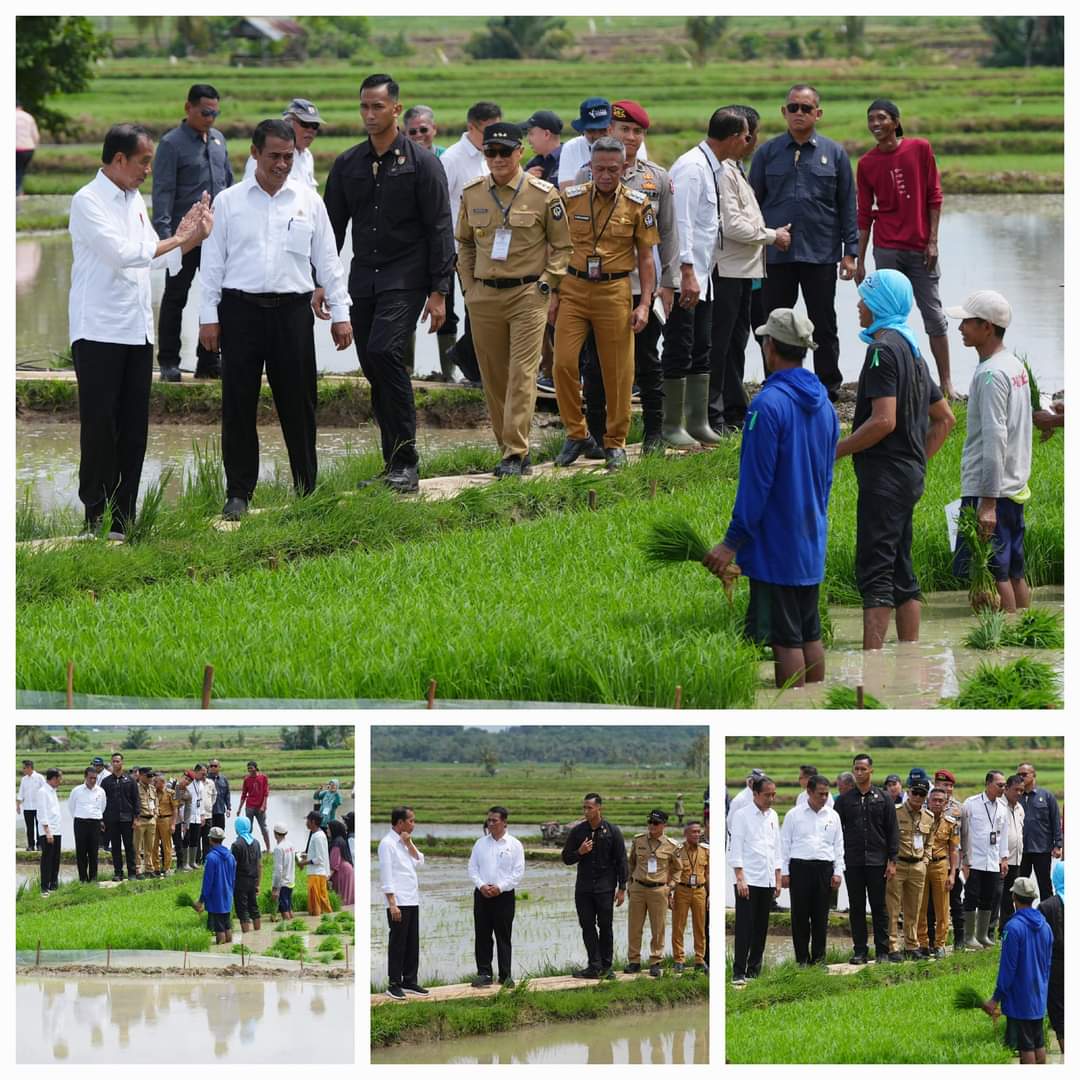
316	119
513	143
763	331
959	313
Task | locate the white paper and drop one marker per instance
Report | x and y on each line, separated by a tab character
952	519
658	310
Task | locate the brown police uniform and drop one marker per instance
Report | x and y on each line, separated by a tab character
145	829
654	870
507	309
166	811
905	888
611	228
944	848
691	895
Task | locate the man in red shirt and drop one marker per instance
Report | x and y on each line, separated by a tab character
253	794
899	197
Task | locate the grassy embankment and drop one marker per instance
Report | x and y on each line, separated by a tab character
449	581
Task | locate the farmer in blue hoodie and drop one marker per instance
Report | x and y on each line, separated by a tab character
779	524
1027	943
219	880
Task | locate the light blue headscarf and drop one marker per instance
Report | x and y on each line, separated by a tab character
1057	878
243	830
887	293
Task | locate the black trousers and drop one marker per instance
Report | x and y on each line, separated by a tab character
173	301
403	956
867	882
121	831
956	912
22	163
246	899
818	284
1005	907
751	930
810	890
983	891
727	358
282	339
87	839
1039	861
178	844
114	411
217	821
595	912
688	339
493	916
648	376
381	327
30	818
203	837
50	864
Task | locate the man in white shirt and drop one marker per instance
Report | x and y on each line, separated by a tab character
257	289
806	773
496	867
1014	788
594	122
86	805
811	864
688	331
316	859
302	116
743	797
25	803
398	860
111	322
754	854
48	807
984	846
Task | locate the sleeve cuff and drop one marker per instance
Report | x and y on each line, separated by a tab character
770	235
208	315
339	312
174	260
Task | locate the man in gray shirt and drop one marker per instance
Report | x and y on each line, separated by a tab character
190	159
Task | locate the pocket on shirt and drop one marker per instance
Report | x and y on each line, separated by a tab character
523	219
823	183
621	228
298	238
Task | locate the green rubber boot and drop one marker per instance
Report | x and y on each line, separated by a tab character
671	430
697	410
446	362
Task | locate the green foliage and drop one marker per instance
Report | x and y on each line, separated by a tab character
674	540
517	37
287	947
137	739
845	697
396	46
1036	628
1033	385
982	589
988	631
697	757
705	33
336	36
1021	684
1025	40
967	997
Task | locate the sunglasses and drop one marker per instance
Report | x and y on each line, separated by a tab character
419	130
498	151
308	125
796	106
211	114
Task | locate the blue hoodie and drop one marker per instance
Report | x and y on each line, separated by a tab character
1024	967
219	880
779	524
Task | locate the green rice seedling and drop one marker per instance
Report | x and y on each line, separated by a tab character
967	997
1033	385
674	540
982	589
1021	684
289	947
845	697
185	899
329	944
1036	628
989	631
149	512
241	950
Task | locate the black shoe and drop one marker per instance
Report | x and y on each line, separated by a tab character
679	967
703	969
652	444
482	980
858	958
572	449
412	988
654	971
510	466
896	958
234	509
118	877
405	480
140	877
210	369
507	983
938	954
631	969
616	459
587	973
170	374
596	454
396	993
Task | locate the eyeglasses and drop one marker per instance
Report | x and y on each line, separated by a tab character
800	106
419	130
498	151
210	114
307	125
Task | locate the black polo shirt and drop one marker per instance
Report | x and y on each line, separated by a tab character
604	869
871	833
121	798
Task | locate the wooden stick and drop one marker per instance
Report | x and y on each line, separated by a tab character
71	684
207	685
859	700
592	498
652	489
346	956
678	697
185	959
37	958
431	693
108	957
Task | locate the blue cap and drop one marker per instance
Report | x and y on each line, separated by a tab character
595	115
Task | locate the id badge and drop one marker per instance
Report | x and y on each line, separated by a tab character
693	879
593	264
993	839
501	248
652	864
917	842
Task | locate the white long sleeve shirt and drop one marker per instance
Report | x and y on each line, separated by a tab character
810	834
318	853
696	178
1016	832
497	862
745	235
112	245
284	866
264	243
303	168
397	871
462	162
981	817
575	155
85	802
29	786
802	800
755	845
48	809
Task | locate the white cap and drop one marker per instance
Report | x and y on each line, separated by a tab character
984	304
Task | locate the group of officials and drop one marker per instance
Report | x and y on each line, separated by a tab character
658	875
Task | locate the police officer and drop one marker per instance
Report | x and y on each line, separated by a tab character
946	780
514	247
691	895
612	228
905	888
941	870
145	825
653	872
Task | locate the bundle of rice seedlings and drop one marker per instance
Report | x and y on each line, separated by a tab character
982	589
1036	628
1033	386
185	899
676	540
845	697
967	997
990	632
1021	684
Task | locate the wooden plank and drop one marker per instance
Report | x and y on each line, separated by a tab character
461	991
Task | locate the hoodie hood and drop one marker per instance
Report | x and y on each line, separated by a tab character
802	386
1029	915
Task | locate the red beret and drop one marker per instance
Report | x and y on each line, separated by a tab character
944	774
629	111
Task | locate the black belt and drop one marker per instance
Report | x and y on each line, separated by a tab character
508	283
649	884
904	858
683	885
603	277
938	858
268	299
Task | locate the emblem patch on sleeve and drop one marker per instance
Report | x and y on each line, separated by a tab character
557	211
650	219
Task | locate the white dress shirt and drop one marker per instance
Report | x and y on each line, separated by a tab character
802	800
264	243
303	168
29	786
48	809
85	802
575	155
695	177
397	871
318	853
497	862
112	245
462	162
810	834
980	817
755	845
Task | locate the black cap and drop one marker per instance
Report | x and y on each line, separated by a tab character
891	777
885	105
544	118
144	769
503	133
98	761
658	817
918	787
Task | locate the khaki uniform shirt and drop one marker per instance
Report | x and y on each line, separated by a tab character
536	217
912	827
632	225
166	804
945	837
147	802
693	862
642	848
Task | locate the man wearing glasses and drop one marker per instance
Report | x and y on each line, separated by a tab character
984	845
190	159
303	117
496	867
419	124
803	180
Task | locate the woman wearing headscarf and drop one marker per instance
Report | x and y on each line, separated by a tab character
350	830
900	422
1053	911
327	800
342	879
248	855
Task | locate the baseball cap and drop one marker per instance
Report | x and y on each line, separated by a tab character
984	304
217	833
885	105
630	112
304	110
545	119
595	114
502	133
788	326
918	787
891	777
658	817
1024	886
918	775
98	761
281	830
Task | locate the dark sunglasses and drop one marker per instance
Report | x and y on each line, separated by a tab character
212	114
796	106
308	125
498	151
419	130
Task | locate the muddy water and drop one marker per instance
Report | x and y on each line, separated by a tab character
667	1037
521	831
115	1020
1012	243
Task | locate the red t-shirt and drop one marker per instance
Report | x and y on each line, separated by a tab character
254	791
896	192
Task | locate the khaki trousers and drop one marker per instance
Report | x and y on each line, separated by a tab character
605	307
145	835
693	901
936	875
653	901
508	332
164	838
904	891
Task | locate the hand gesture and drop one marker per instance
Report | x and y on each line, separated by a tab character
783	237
689	289
847	267
395	913
987	518
210	337
639	318
785	881
742	890
667	299
930	256
435	310
620	896
585	847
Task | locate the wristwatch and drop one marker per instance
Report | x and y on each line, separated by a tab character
544	287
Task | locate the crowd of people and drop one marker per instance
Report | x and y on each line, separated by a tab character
658	875
921	861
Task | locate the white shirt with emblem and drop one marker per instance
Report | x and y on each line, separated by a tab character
980	818
695	177
813	835
462	162
755	845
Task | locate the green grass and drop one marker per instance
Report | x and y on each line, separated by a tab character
845	697
1021	684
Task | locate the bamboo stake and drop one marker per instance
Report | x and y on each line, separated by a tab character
592	498
859	699
207	685
37	957
678	697
431	693
108	957
185	959
71	684
652	489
